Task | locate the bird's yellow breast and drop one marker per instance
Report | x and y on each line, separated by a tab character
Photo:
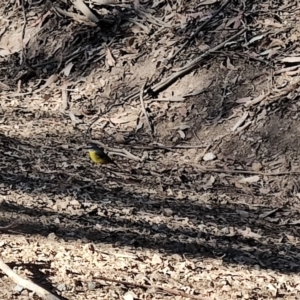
96	158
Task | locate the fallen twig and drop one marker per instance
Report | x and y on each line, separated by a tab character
269	100
287	69
74	16
224	93
5	229
169	148
191	65
153	20
53	78
166	82
81	6
258	99
203	169
184	97
25	20
240	121
198	30
158	288
26	283
23	30
143	107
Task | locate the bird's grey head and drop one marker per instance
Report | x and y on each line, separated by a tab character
92	146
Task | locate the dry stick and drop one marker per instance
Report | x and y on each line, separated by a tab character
143	107
26	283
263	96
191	65
185	96
101	114
184	70
223	97
5	229
169	148
116	105
25	20
198	30
53	78
164	289
23	29
288	69
166	82
247	172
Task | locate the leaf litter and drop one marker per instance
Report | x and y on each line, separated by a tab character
206	205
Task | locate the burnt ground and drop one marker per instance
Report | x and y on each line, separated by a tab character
211	207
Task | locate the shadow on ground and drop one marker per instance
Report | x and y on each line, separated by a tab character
205	226
52	190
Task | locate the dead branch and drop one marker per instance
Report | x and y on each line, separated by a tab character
198	30
168	148
26	283
171	79
203	169
158	288
23	30
143	107
6	229
191	65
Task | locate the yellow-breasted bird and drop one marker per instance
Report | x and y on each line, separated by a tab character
98	155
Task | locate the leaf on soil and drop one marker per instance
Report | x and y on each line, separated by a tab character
244	214
229	65
269	22
119	137
251	179
64	98
124	119
243	100
256	166
181	133
104	2
291	59
168	212
182	127
209	184
156	260
272	289
52	79
80	5
68	69
296	222
208	2
268	213
176	98
4	86
74	119
277	42
264	191
240	121
109	58
247	233
136	4
236	21
254	39
209	156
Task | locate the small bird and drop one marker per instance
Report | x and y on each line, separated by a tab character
98	155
